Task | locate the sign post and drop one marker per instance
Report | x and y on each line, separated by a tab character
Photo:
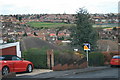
87	48
87	58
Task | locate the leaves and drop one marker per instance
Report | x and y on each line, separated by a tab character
83	31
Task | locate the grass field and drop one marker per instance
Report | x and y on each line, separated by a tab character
55	25
48	25
106	25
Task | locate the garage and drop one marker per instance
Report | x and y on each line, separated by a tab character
10	49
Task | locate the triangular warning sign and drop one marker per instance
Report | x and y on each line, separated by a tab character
86	48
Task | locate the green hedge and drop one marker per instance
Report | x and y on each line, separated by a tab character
37	56
96	59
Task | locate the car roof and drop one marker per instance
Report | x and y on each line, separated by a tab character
117	56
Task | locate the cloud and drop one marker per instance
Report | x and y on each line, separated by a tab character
56	6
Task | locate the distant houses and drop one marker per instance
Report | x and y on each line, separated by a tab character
58	18
14	27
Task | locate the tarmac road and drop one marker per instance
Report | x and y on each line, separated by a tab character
91	73
107	73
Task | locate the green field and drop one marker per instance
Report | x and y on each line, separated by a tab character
55	25
106	25
48	24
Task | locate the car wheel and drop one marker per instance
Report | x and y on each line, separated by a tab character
5	70
29	68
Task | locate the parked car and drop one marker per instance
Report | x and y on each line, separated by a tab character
13	63
115	61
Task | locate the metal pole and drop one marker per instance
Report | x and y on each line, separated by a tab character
87	58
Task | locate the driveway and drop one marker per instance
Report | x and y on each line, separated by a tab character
35	72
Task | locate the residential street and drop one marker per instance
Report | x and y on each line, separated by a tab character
108	73
91	72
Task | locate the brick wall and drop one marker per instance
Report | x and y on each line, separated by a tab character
60	67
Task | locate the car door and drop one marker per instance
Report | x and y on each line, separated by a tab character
7	61
19	64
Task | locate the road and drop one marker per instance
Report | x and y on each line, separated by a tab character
108	73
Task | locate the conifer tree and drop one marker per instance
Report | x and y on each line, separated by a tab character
83	32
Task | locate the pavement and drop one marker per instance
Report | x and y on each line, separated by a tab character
35	72
55	74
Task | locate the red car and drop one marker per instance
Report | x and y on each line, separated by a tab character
115	61
12	63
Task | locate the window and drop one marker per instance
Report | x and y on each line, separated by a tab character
2	58
7	58
116	57
15	58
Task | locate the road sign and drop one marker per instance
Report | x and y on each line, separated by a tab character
86	46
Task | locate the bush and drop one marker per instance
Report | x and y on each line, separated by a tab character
96	59
37	56
66	57
10	41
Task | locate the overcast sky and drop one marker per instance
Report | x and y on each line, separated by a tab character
57	6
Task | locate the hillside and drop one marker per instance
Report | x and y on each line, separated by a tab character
33	42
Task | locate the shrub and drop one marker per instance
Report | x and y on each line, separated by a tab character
96	59
63	57
66	57
37	56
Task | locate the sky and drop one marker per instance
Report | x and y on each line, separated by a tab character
57	6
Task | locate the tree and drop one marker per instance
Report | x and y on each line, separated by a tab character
25	34
83	32
114	28
20	18
35	34
10	41
59	29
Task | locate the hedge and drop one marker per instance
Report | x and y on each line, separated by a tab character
37	56
96	59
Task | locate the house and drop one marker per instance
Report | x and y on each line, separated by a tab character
10	49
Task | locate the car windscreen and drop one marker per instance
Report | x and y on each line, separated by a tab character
116	57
